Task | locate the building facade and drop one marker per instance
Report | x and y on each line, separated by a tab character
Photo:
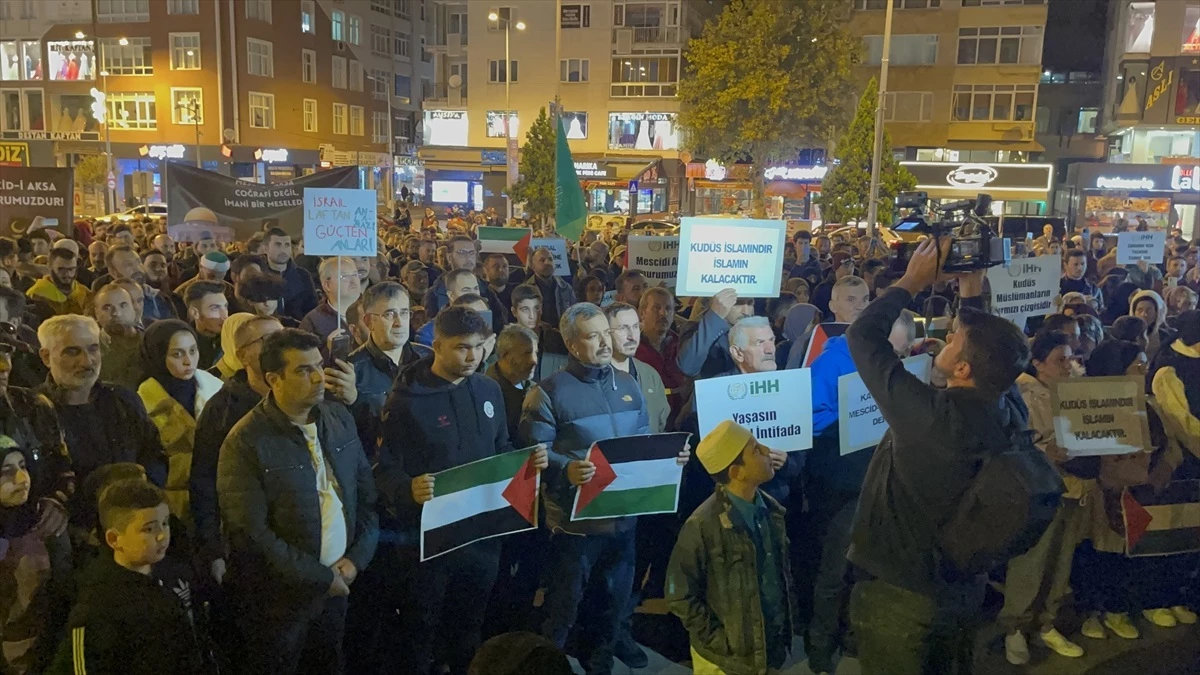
257	89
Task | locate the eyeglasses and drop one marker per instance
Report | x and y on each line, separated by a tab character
465	251
392	315
628	329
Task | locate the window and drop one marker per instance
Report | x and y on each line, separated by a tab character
20	60
994	102
379	84
1139	27
908	106
187	105
401	47
381	41
402	88
356	76
899	4
22	110
1087	120
122	11
401	8
354	30
132	110
260	59
183	6
573	70
1041	119
258	9
262	110
381	6
907	50
337	23
379	127
457	24
503	16
356	120
132	58
308	66
339	119
339	72
310	115
497	72
580	16
998	3
403	128
644	76
1000	44
308	11
185	51
642	131
495	121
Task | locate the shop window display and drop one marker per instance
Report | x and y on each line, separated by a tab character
20	60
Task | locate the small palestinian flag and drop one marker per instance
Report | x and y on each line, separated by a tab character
513	242
1162	523
635	476
487	498
821	335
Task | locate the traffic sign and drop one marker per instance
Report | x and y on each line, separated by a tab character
112	182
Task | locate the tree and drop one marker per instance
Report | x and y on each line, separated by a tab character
767	78
91	172
536	186
846	190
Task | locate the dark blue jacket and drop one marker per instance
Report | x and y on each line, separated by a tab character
826	466
299	293
570	410
704	347
374	375
431	425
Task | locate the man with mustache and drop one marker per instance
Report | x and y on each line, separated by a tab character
101	423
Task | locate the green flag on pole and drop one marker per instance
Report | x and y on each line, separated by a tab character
570	209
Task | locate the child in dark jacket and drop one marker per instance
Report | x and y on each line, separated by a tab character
125	620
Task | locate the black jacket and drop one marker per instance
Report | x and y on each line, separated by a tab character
266	485
299	293
514	398
430	425
126	622
926	460
29	419
374	375
229	405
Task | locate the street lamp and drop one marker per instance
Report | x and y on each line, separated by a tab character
509	142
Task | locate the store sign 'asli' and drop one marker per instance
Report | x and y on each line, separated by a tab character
1185	178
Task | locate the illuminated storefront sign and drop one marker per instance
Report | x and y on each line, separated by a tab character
585	169
796	173
271	155
1185	178
1118	183
974	177
175	151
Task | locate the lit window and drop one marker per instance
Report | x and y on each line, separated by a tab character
262	110
310	115
573	70
183	6
260	59
994	102
187	105
356	121
337	23
122	11
308	10
339	119
185	51
132	110
354	30
131	58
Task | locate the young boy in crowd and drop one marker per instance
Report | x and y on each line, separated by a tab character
124	620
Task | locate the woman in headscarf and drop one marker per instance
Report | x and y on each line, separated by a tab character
229	365
35	570
1149	307
174	394
797	326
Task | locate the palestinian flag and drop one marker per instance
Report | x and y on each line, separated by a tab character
513	242
821	335
1162	523
635	475
487	498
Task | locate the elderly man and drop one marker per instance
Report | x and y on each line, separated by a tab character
704	346
340	283
59	289
385	353
557	295
121	351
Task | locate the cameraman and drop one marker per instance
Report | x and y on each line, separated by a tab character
909	615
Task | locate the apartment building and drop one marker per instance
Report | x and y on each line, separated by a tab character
614	70
258	89
962	95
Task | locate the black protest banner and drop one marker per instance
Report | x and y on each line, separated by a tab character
27	192
237	209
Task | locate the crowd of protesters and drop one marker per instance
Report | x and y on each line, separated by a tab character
214	455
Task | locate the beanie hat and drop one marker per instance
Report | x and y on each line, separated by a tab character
215	261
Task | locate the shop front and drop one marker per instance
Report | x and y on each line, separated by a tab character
1016	189
628	185
1102	197
789	190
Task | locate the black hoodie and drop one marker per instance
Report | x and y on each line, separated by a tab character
431	425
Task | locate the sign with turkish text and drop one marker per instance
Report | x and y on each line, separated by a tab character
739	253
1100	415
339	221
557	246
14	154
1025	288
1135	246
979	177
860	423
775	406
27	192
657	258
1159	80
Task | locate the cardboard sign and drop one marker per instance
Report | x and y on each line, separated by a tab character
1100	415
339	221
657	258
776	406
1135	246
1025	288
558	247
738	253
860	424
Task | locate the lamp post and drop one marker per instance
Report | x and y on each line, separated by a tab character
110	184
509	141
877	149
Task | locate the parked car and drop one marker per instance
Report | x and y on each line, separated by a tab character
655	227
154	211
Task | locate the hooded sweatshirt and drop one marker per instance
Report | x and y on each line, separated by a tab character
1158	334
229	364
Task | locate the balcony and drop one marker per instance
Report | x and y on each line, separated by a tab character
442	94
627	37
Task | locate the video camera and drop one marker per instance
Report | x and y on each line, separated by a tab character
974	244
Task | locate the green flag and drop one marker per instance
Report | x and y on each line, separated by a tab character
570	209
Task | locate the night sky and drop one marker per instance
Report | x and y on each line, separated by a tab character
1075	33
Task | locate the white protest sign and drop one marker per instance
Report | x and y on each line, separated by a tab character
1100	415
608	298
657	258
860	424
1025	288
558	247
775	406
1135	246
738	253
339	221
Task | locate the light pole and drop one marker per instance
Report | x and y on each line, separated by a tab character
509	142
877	150
192	108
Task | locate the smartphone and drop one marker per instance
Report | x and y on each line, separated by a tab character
339	349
